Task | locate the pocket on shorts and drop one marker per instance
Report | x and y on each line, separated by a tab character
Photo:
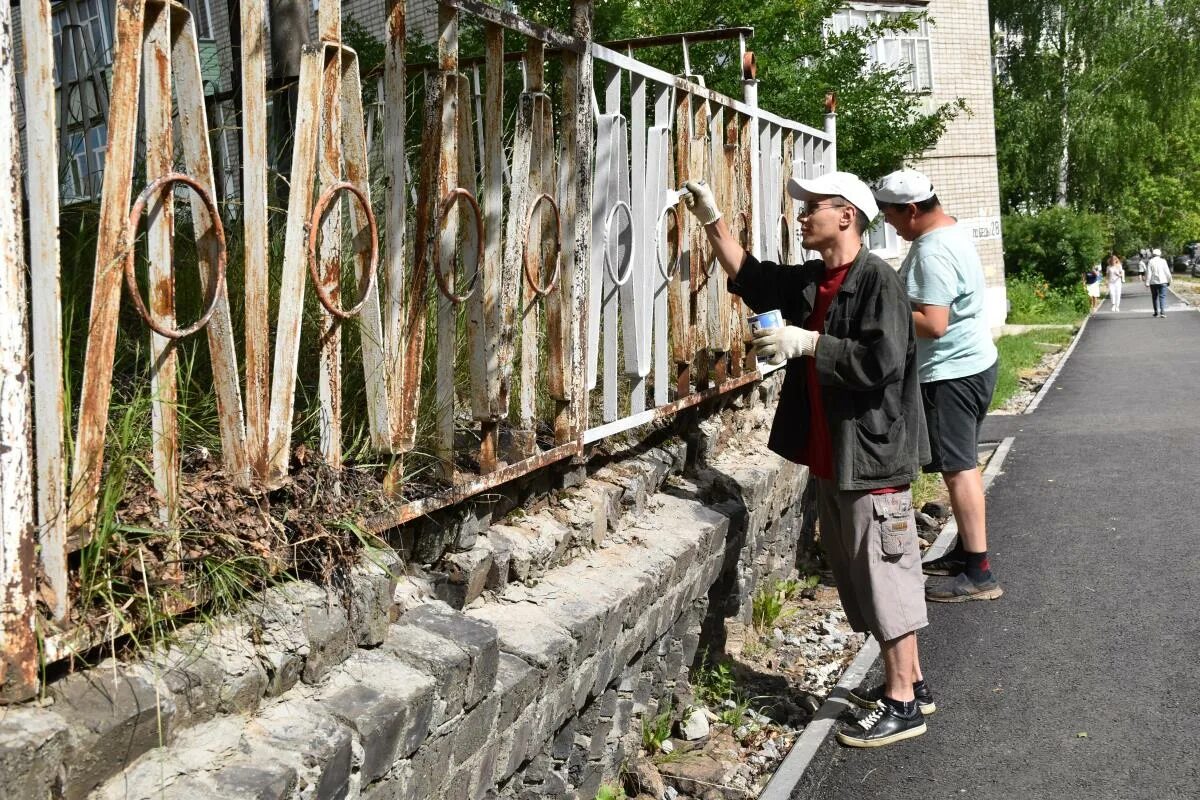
897	527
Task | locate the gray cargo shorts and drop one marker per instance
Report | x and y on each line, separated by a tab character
870	541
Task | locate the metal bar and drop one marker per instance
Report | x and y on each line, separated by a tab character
255	232
486	310
513	22
605	55
664	411
531	309
291	290
602	222
575	189
512	281
395	225
787	234
660	157
376	376
712	35
18	527
329	172
636	299
193	135
679	299
96	382
447	174
160	160
45	297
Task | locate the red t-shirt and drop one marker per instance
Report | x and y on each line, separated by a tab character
818	451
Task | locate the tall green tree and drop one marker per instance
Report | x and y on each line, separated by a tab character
882	122
1094	104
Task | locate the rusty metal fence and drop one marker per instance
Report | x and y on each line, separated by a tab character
549	225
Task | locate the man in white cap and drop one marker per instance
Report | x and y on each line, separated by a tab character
1158	278
850	409
944	279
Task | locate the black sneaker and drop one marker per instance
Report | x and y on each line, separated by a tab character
873	697
883	726
949	564
963	588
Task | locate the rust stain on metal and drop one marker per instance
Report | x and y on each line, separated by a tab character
322	283
96	382
216	281
255	232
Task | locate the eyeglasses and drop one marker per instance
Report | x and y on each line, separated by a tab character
808	211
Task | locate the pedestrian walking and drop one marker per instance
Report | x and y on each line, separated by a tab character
1091	280
1158	278
850	409
944	280
1115	273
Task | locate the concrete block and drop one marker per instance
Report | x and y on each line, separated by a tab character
194	681
387	704
476	637
300	734
33	745
518	544
498	572
114	717
467	574
474	728
373	584
437	656
528	632
517	685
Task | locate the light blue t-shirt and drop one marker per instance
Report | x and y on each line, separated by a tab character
942	268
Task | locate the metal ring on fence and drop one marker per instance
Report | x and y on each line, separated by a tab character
216	284
607	231
542	291
447	288
658	233
314	224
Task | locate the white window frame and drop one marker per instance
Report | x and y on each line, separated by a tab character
882	240
97	29
911	49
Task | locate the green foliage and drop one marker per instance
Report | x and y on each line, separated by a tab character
712	683
1095	105
656	729
609	791
1056	244
769	608
1033	301
1021	352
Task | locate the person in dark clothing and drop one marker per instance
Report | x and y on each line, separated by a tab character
850	410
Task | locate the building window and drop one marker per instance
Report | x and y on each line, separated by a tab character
201	18
83	164
81	35
907	51
882	240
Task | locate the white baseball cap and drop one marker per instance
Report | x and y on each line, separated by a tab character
835	184
902	187
1157	252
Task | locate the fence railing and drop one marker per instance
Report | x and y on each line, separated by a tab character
547	266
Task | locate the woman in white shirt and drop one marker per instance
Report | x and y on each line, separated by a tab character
1116	277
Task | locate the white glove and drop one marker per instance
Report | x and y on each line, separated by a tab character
700	201
777	345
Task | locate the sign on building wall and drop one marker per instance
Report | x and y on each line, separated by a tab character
982	227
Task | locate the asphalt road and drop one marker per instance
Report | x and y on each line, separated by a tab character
1081	682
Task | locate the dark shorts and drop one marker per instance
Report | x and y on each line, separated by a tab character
954	412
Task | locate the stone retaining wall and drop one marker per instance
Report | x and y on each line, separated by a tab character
518	662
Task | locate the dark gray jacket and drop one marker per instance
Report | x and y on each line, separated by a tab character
866	364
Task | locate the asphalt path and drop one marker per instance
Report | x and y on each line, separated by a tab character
1081	682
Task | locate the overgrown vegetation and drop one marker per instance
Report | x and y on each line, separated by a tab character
1021	352
1032	301
1056	245
656	729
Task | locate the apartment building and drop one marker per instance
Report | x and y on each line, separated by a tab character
949	56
